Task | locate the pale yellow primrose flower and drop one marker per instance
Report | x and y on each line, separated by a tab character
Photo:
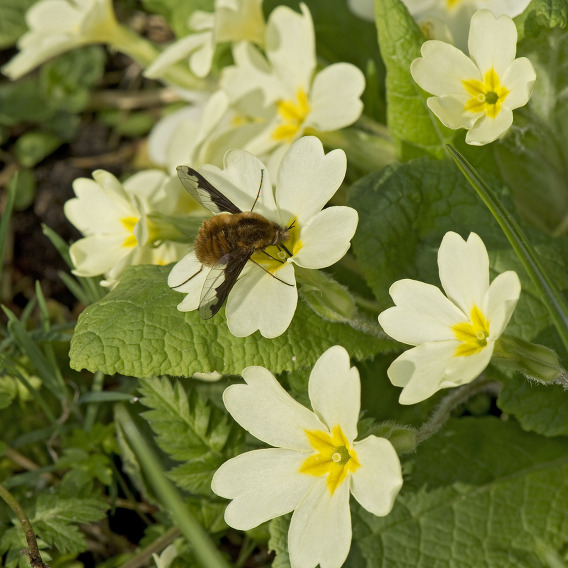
56	26
281	91
306	181
454	334
112	216
233	20
480	93
315	463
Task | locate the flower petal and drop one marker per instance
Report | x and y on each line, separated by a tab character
487	129
326	237
308	178
500	301
290	47
259	301
97	254
519	78
464	270
334	98
377	482
335	391
240	181
451	111
188	277
426	369
263	484
201	43
442	69
422	313
320	529
492	41
269	413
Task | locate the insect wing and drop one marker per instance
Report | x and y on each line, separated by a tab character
209	196
219	282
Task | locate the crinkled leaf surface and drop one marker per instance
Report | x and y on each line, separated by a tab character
539	408
405	210
410	122
482	493
137	330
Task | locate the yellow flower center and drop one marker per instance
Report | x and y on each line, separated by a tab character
486	96
293	114
452	3
334	457
273	257
129	223
472	334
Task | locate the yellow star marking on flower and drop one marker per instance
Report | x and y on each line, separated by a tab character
334	457
293	113
129	223
473	334
452	3
486	96
293	244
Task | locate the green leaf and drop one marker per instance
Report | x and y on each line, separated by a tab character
189	430
33	146
462	502
405	210
12	20
137	330
538	408
23	102
541	14
410	122
278	542
535	151
55	517
66	81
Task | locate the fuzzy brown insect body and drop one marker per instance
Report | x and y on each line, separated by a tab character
229	235
227	241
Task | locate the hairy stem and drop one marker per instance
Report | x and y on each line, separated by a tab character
443	411
33	550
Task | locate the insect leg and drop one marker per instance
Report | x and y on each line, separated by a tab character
259	188
268	271
272	258
186	281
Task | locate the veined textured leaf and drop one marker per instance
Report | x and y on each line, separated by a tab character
539	408
410	122
542	14
55	518
534	154
189	430
137	330
405	210
481	494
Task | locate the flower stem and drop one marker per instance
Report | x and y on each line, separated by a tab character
173	502
33	550
144	53
442	413
145	555
548	291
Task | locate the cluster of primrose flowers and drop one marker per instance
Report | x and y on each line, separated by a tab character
261	118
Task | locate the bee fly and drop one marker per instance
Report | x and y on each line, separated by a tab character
226	242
